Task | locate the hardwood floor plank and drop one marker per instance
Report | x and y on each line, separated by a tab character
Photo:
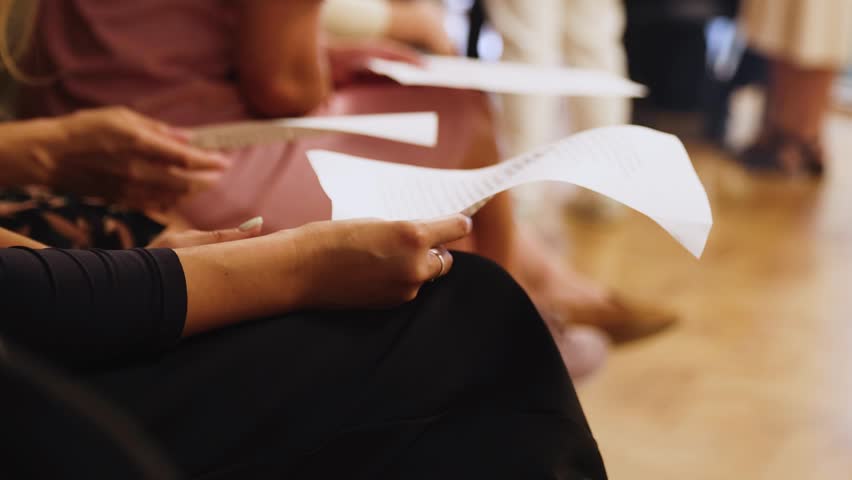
756	380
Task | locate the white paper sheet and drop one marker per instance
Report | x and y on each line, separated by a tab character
507	77
418	128
647	170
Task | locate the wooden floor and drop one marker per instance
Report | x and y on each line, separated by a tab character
756	381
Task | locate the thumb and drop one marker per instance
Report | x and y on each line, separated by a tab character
446	229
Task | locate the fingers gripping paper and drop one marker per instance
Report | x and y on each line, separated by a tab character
647	170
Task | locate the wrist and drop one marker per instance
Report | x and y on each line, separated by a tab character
272	267
237	281
29	152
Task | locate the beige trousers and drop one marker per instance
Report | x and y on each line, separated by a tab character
808	33
580	33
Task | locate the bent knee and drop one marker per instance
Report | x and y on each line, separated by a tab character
482	304
481	277
482	333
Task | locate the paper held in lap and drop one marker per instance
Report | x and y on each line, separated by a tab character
507	77
418	128
647	170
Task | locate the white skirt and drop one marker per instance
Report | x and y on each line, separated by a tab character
809	33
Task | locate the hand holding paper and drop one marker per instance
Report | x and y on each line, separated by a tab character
642	168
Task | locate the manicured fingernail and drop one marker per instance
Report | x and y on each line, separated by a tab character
469	223
251	224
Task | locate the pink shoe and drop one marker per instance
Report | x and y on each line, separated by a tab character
583	348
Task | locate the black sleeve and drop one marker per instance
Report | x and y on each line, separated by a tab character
83	307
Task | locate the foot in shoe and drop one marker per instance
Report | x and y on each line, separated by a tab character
583	349
785	153
579	300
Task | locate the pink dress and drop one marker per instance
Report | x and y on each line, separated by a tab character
173	60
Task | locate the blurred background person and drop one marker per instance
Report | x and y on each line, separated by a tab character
98	178
807	43
419	23
575	33
104	178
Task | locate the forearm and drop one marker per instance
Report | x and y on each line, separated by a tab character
27	151
401	21
282	65
12	239
232	282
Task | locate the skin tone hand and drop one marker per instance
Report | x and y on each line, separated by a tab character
110	153
323	265
369	263
421	24
348	58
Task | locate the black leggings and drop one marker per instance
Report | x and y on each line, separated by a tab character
463	382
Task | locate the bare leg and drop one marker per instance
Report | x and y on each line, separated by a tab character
790	140
799	99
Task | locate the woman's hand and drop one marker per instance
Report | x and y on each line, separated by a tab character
369	263
323	265
348	58
121	156
421	24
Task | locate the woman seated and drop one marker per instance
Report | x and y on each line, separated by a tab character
194	62
155	166
356	349
110	165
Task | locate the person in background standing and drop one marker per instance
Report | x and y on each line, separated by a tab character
807	44
576	33
419	23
